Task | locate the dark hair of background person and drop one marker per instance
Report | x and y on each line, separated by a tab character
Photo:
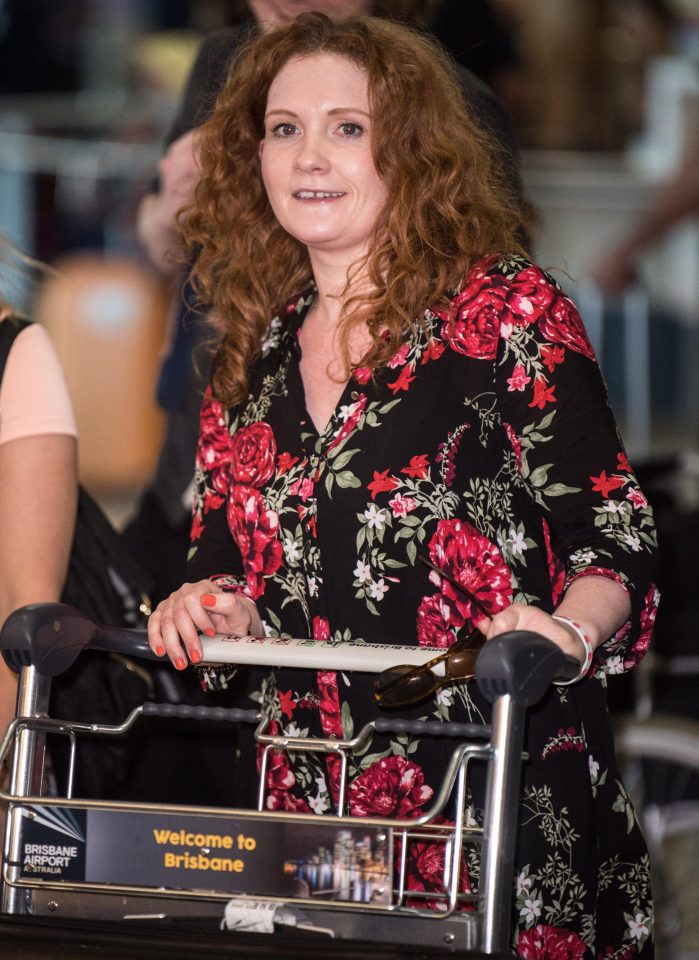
434	158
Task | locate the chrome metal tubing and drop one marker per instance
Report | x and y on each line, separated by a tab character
499	828
26	772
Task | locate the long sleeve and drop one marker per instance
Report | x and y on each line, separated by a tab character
554	403
213	554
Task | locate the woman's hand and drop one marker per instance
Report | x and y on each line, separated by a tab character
175	624
520	616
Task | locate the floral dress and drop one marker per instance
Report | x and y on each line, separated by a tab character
487	445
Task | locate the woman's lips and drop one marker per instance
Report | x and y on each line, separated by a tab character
318	195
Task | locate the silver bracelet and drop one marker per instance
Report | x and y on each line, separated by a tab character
587	645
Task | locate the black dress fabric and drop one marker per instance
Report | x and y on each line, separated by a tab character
486	444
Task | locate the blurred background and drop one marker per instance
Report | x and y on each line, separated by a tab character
604	100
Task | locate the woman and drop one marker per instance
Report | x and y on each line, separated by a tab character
38	470
428	392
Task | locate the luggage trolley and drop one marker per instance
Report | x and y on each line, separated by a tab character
332	875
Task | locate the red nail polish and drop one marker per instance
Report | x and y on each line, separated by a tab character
195	656
208	600
180	663
160	651
210	632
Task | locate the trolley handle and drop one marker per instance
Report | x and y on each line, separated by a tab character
51	637
183	711
522	664
431	728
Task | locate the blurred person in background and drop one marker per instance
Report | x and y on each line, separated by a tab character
675	201
158	532
38	467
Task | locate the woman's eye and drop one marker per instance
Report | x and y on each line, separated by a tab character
351	129
284	130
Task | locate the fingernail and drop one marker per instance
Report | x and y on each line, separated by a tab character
194	655
208	600
160	651
180	663
210	632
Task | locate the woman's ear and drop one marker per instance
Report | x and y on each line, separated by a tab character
260	147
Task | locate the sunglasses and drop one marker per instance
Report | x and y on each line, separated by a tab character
405	684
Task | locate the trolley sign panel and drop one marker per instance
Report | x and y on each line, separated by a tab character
217	853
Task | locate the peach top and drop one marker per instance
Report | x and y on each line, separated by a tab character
34	397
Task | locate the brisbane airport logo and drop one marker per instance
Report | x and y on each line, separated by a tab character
53	843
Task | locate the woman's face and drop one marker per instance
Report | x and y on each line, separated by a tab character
316	158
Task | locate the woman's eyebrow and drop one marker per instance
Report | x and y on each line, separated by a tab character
282	111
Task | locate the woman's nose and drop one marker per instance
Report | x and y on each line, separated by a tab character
311	155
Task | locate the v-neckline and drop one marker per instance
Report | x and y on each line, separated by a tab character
346	396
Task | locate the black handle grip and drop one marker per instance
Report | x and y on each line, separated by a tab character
51	636
431	728
522	664
184	711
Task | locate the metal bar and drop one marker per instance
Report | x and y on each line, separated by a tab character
499	828
26	774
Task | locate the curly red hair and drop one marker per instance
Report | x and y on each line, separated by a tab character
445	203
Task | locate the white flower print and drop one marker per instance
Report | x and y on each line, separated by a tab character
345	411
291	550
517	544
633	542
375	517
583	556
312	586
445	696
637	927
615	664
611	506
362	571
531	910
522	883
594	768
378	588
319	804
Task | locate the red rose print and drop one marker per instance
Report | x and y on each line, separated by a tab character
544	942
648	614
253	454
562	324
531	293
436	622
400	356
361	374
215	446
392	787
473	327
329	703
459	549
515	442
321	628
557	573
255	530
